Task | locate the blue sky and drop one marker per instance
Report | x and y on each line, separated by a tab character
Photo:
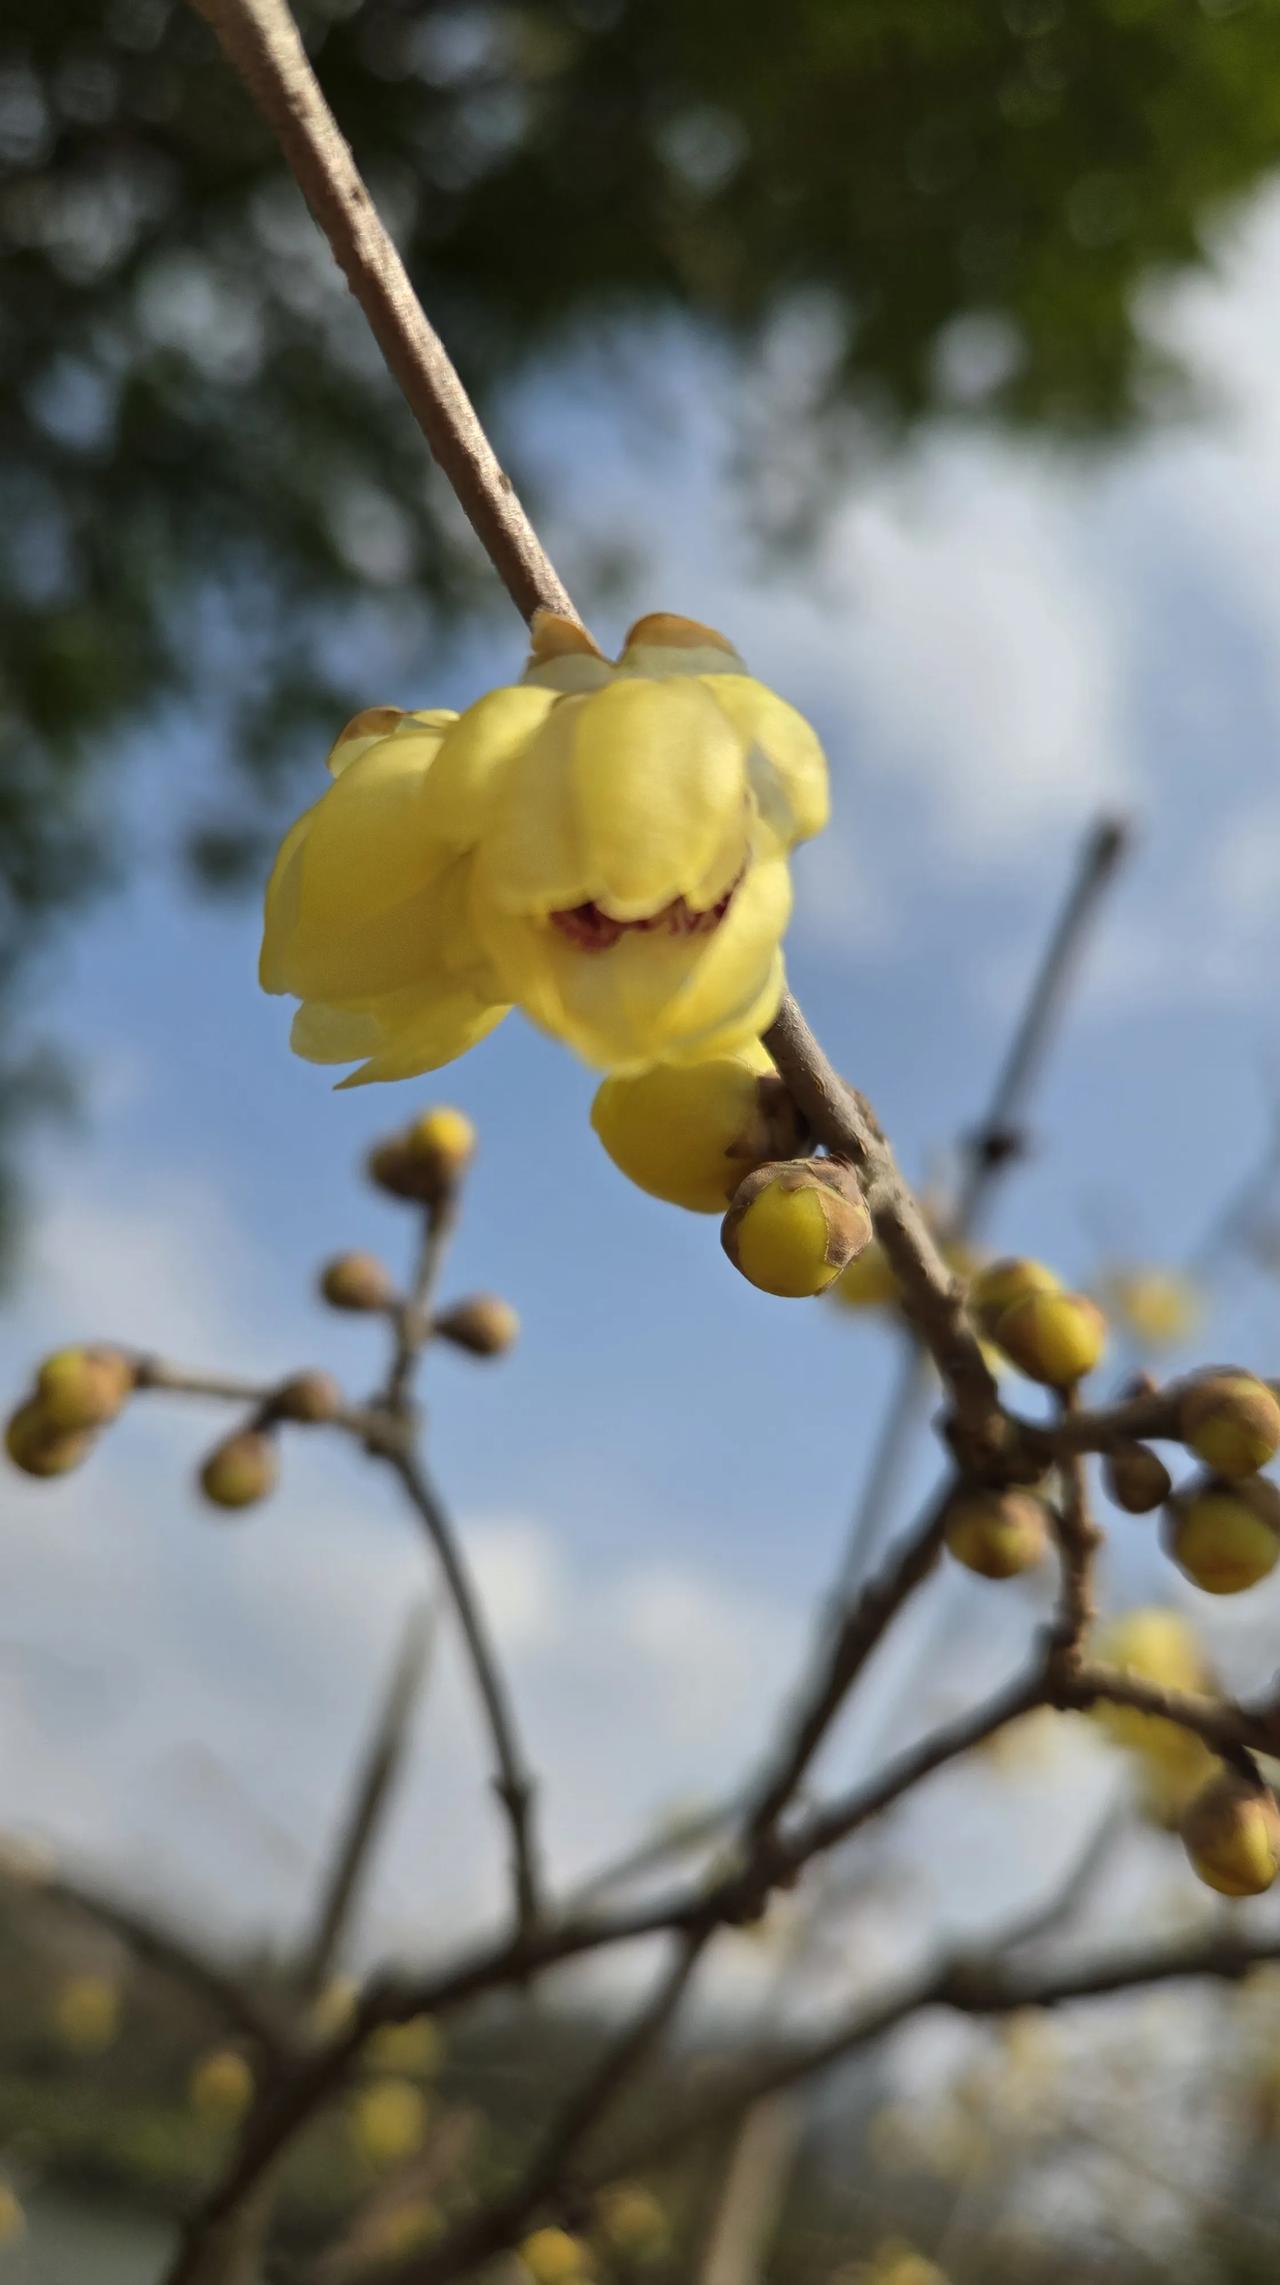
994	642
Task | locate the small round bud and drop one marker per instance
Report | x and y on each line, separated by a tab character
1054	1338
388	2121
552	2257
13	2221
1224	1537
688	1133
996	1534
40	1449
633	2222
443	1143
221	2085
1232	1422
83	1388
86	2013
391	1166
412	2050
484	1324
1136	1478
994	1289
1158	1308
868	1282
793	1227
242	1470
357	1281
1231	1833
313	1397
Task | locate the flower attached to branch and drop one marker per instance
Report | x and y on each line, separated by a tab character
603	845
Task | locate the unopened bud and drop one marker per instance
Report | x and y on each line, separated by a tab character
1136	1478
1054	1338
312	1396
83	1387
388	2120
792	1227
484	1324
994	1289
221	2085
40	1449
1231	1833
552	2257
996	1534
391	1166
443	1143
1225	1537
357	1281
242	1470
1232	1421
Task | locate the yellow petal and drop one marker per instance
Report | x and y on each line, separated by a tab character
473	757
445	1027
787	767
628	798
375	723
323	1033
372	840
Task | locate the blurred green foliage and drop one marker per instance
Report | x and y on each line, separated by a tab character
209	492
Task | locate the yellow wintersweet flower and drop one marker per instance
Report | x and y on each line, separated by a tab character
603	845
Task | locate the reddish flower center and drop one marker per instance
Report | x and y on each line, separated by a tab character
592	930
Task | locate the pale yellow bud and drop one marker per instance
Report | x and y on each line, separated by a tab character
1231	1834
793	1227
1232	1422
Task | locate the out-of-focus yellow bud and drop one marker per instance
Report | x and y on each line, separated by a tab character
485	1324
793	1227
313	1397
868	1282
633	2222
1170	1763
1232	1422
1157	1644
1157	1308
388	2120
443	1143
38	1448
221	2085
1224	1537
996	1287
1136	1478
996	1534
894	2262
1054	1338
357	1281
83	1388
688	1133
13	2221
552	2257
1231	1833
413	2050
86	2013
242	1470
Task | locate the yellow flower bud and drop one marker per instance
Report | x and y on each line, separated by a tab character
1158	1644
1136	1478
313	1397
221	2085
388	2121
793	1227
13	2221
83	1388
552	2257
411	2050
1158	1308
242	1470
996	1534
996	1288
485	1324
1232	1422
38	1448
357	1281
86	2013
1054	1338
443	1142
868	1282
1231	1833
391	1167
633	2222
1225	1537
688	1133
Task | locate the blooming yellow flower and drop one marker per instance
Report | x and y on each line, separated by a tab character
603	845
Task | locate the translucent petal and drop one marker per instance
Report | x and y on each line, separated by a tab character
663	644
322	1033
372	840
376	723
474	756
787	766
444	1028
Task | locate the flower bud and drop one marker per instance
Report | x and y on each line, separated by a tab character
313	1397
688	1133
633	2222
409	2050
1054	1338
1232	1422
1231	1833
221	2085
552	2257
391	1166
485	1324
13	2221
86	2013
1225	1537
357	1281
242	1470
442	1143
996	1534
40	1449
1136	1478
994	1289
83	1388
793	1227
388	2121
868	1282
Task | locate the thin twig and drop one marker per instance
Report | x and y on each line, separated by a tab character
261	42
413	1320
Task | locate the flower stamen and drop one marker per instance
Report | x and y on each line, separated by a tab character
593	930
